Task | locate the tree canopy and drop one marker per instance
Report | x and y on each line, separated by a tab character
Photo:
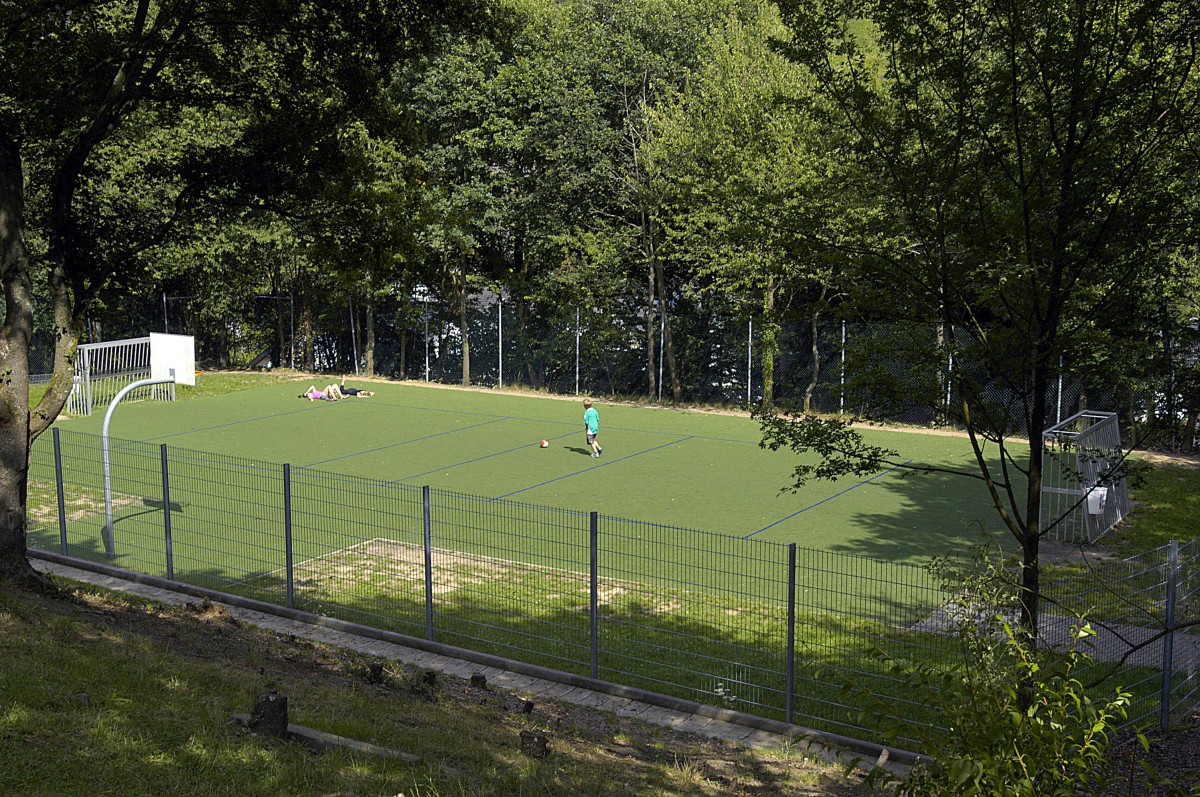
1029	161
121	121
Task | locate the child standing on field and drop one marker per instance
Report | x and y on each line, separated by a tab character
591	423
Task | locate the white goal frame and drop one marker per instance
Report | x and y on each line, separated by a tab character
1085	492
102	370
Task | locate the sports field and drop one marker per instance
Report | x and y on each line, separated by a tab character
688	469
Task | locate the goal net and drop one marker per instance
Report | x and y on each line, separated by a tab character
1084	487
102	370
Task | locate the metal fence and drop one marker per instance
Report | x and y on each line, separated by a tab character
838	367
768	629
616	350
1145	611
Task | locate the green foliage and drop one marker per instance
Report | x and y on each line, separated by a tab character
1047	738
1012	718
842	450
1026	163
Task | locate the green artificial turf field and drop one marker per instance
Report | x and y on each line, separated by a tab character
685	586
687	469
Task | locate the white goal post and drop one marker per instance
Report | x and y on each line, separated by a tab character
1085	491
102	370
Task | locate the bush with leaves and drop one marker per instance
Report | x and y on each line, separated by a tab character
1015	719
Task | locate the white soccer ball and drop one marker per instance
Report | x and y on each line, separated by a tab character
545	443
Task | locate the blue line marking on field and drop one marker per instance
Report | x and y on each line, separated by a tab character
585	470
607	427
470	461
230	423
404	442
830	498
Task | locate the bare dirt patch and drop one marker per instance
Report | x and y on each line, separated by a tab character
78	505
391	562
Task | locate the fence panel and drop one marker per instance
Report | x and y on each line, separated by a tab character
1185	681
1125	603
707	617
228	524
512	579
700	616
851	608
358	550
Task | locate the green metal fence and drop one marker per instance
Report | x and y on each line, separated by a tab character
773	630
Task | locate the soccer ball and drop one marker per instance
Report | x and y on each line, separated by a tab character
544	443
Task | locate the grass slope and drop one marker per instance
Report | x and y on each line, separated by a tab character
108	694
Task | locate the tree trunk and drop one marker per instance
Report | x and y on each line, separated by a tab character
402	362
281	359
369	344
277	346
651	338
306	320
1030	595
14	359
770	344
18	426
535	372
811	387
668	348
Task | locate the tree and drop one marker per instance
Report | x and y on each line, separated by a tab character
1024	156
367	237
81	76
653	48
752	178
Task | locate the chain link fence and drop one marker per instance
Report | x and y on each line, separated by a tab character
701	354
698	356
1145	615
768	629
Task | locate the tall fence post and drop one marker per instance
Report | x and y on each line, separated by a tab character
426	338
662	338
842	377
749	358
1058	403
287	536
594	608
62	500
428	526
790	691
166	493
1164	711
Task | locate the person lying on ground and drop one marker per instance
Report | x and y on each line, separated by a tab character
328	394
